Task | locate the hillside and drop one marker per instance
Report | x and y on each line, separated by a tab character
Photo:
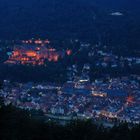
60	19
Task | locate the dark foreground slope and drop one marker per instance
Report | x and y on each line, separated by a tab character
16	124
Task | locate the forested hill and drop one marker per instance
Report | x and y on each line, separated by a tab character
60	19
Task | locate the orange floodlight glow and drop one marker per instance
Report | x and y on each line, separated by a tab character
31	53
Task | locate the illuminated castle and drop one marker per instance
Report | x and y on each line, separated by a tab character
35	54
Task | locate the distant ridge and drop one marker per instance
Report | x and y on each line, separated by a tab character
60	19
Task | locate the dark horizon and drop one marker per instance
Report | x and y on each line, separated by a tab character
60	19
